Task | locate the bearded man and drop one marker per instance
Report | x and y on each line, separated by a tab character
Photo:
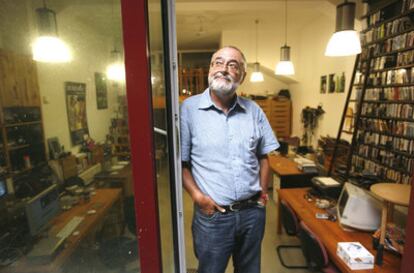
225	140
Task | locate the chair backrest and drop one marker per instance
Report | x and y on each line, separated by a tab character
289	219
313	249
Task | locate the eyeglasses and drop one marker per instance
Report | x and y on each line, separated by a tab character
232	66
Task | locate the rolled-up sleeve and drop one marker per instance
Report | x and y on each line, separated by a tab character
185	133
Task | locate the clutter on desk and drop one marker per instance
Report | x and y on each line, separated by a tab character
394	239
355	255
306	165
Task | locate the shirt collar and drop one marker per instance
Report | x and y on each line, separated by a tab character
206	102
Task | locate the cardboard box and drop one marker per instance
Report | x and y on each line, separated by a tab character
355	255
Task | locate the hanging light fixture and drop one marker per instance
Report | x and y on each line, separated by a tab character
256	76
285	66
47	47
345	41
116	70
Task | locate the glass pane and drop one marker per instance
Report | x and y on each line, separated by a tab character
160	135
66	188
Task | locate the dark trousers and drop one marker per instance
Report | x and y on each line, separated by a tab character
237	234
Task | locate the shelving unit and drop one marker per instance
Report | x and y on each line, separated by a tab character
279	114
21	128
382	96
119	131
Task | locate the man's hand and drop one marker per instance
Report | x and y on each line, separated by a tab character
207	205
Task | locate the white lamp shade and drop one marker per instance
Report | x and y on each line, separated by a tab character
116	72
257	77
50	49
285	68
343	43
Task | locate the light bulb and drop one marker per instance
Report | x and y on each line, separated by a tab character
116	72
344	43
285	68
50	49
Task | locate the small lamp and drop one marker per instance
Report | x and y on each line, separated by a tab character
116	70
285	65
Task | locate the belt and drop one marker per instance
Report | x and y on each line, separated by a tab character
243	204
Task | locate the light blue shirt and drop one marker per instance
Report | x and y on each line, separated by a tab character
223	149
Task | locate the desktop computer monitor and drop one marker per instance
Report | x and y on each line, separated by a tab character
358	209
41	209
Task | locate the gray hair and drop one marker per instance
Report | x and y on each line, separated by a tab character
235	48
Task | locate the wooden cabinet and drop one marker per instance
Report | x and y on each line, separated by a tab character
21	129
18	84
279	114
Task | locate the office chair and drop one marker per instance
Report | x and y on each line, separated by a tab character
314	251
291	225
118	252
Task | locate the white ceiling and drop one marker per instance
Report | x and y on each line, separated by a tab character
199	23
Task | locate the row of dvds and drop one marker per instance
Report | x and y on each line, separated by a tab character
388	142
399	42
401	128
387	158
389	110
389	93
405	58
407	5
401	59
385	30
396	76
360	164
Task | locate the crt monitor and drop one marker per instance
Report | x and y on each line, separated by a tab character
358	209
41	209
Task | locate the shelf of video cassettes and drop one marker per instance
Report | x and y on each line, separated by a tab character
361	164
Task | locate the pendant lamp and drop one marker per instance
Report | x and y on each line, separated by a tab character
256	76
285	66
116	70
345	41
47	47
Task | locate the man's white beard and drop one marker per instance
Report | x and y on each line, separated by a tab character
222	85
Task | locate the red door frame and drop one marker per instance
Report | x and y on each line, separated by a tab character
138	86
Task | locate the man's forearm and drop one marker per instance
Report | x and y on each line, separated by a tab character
264	173
190	184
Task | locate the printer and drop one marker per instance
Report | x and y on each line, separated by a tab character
326	187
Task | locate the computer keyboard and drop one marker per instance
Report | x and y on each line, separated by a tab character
70	227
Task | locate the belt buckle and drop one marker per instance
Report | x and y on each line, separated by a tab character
233	207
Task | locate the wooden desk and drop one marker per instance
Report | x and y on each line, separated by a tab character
288	175
330	233
101	202
117	178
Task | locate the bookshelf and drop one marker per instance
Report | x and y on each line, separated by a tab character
382	96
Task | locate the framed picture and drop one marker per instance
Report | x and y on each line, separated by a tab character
323	84
331	86
341	83
101	91
76	109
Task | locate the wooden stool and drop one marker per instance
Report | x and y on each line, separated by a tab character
391	194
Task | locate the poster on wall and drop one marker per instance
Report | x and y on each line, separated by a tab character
101	91
341	83
331	86
76	109
323	84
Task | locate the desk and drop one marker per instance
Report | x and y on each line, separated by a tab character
117	178
330	233
287	175
101	202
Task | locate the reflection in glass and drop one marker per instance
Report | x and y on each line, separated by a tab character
67	206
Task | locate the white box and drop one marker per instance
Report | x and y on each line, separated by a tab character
355	255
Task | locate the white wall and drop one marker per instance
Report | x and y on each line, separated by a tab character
91	54
311	66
